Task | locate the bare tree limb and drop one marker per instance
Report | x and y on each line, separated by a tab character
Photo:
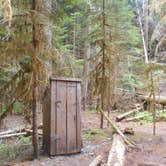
115	127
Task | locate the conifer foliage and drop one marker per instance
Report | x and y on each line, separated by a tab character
96	40
27	55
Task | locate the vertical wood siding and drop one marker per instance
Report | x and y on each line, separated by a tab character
61	116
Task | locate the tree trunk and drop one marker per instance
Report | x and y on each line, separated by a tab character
103	65
147	25
142	33
35	88
74	35
35	117
87	62
153	104
42	44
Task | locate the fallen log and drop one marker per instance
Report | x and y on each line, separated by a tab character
116	128
158	99
117	153
12	135
126	114
134	119
97	161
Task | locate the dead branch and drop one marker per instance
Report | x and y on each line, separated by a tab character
12	131
115	127
17	132
7	132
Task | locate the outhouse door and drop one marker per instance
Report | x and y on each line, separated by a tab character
65	131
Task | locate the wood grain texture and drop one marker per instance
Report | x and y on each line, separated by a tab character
52	118
78	112
61	118
71	117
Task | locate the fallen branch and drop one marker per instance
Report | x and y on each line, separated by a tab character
115	127
12	131
126	114
97	161
117	152
19	130
27	132
7	132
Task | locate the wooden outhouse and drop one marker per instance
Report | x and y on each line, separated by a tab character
61	117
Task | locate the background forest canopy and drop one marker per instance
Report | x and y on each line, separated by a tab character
98	41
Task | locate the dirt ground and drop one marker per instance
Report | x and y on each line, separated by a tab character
150	150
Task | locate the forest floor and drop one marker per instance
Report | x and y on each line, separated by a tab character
150	150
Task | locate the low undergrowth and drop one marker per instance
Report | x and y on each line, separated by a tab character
94	133
12	150
8	152
16	108
147	117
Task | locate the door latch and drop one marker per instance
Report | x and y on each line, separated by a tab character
55	138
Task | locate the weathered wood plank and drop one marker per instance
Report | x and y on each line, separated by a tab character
52	118
78	129
48	129
60	103
71	117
